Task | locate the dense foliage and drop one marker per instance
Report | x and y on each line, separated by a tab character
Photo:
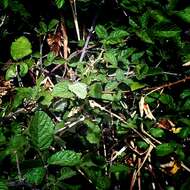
94	94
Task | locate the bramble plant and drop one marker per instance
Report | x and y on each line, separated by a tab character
94	94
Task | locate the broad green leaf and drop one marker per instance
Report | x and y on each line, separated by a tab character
186	105
141	70
43	27
110	57
35	176
79	89
93	132
167	100
103	183
142	144
95	90
120	75
184	14
111	85
116	37
165	149
136	56
61	90
101	31
41	130
65	158
23	69
66	173
136	85
11	72
59	3
21	48
167	34
144	37
3	185
17	144
185	94
119	168
52	24
157	132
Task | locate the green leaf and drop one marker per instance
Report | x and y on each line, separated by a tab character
65	158
21	48
3	185
101	31
186	105
185	94
184	14
141	70
167	34
144	37
103	183
11	72
142	144
120	76
23	69
157	132
116	37
66	173
79	89
61	90
167	100
5	3
41	130
119	168
93	133
164	149
43	28
35	176
136	85
52	24
110	57
95	90
59	3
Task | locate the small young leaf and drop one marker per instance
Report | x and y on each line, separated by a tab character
61	90
65	158
101	31
110	57
11	72
53	23
41	130
23	69
21	48
95	90
184	14
59	3
35	175
157	132
164	149
79	89
66	173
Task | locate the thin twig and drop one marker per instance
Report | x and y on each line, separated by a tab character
169	85
74	12
88	39
18	167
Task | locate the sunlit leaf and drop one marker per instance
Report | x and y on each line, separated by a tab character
21	48
165	149
79	89
65	158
